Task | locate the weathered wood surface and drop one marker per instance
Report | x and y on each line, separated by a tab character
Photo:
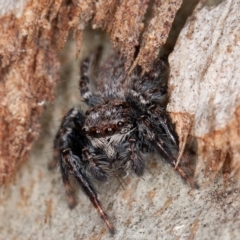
204	69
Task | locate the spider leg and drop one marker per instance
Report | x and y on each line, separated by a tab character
135	158
72	144
68	188
90	98
71	162
56	157
168	151
84	80
97	165
151	88
65	176
146	129
159	117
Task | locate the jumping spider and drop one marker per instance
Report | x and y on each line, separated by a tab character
125	122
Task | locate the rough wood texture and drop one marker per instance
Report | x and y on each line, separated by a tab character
27	82
160	206
154	37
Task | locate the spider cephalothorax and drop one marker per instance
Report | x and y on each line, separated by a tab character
126	121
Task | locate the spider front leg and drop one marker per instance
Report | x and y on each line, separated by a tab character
149	136
160	119
135	158
96	165
166	149
72	151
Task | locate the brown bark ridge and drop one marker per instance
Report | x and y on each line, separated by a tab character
32	34
29	72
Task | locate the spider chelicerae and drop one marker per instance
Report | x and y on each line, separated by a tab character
126	121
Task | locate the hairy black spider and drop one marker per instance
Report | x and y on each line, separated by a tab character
125	122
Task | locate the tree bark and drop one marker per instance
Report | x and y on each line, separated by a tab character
204	103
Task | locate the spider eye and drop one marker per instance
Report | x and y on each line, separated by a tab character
120	124
109	131
95	133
